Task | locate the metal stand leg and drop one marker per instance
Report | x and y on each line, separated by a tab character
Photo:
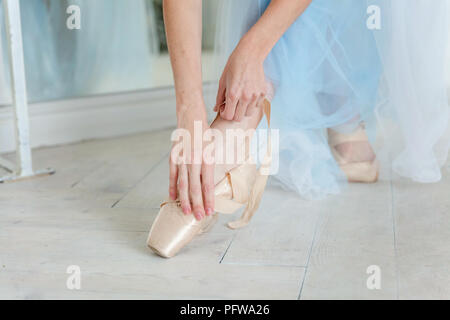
23	167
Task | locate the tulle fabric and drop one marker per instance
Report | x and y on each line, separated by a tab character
413	109
331	71
112	51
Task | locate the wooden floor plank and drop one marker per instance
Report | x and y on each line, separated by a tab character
423	238
109	247
151	191
119	174
97	209
355	231
280	233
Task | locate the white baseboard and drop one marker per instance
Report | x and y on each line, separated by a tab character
68	121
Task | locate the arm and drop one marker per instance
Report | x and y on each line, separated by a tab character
242	85
183	22
275	21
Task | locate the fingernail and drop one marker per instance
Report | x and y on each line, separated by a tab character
209	211
199	216
187	211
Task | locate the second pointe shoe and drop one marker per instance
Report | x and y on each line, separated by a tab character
242	186
366	171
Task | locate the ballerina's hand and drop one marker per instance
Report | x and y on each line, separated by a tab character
192	175
242	86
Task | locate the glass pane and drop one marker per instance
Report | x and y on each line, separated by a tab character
119	47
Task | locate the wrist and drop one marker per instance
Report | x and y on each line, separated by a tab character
191	106
188	97
257	45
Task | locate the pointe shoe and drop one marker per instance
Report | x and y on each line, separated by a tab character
360	171
242	186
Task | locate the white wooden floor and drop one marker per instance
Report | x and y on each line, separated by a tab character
96	210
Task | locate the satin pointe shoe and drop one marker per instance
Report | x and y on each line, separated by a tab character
242	186
356	171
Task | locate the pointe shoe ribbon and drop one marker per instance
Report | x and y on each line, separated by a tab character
239	182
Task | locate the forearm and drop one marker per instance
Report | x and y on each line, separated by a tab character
275	21
183	22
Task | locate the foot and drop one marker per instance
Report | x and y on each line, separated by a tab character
354	154
356	151
247	123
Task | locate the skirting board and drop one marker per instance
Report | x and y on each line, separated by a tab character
68	121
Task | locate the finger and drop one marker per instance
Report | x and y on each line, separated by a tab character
253	106
207	180
173	178
183	191
241	109
220	99
232	98
195	191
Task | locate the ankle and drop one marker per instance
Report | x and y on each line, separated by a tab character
246	126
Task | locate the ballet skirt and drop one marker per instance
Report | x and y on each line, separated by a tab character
331	69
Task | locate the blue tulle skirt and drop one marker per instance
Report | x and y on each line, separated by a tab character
330	70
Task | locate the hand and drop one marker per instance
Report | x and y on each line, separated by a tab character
242	87
192	179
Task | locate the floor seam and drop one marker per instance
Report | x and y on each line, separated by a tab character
228	247
73	185
394	230
313	241
140	180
